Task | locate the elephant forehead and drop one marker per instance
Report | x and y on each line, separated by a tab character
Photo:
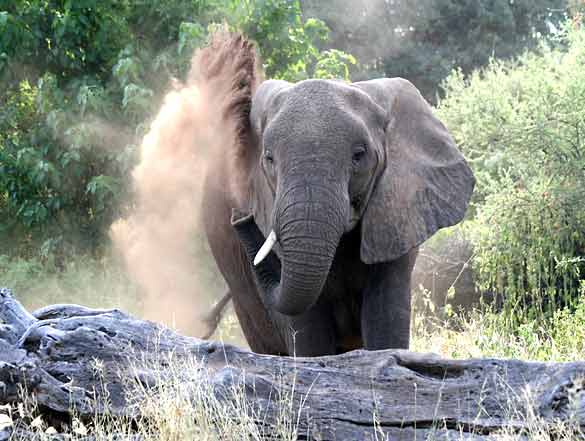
295	128
319	109
336	95
324	97
305	119
315	118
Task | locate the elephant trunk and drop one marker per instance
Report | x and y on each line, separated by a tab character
309	228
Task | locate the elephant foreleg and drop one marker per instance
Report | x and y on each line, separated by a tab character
385	316
312	333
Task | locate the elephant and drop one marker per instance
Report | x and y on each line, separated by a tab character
315	210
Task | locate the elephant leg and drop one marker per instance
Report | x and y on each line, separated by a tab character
312	333
385	317
260	339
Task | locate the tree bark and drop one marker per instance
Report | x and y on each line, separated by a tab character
66	356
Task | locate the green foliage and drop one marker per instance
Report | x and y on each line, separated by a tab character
61	36
334	64
487	333
81	81
61	183
424	40
522	127
288	43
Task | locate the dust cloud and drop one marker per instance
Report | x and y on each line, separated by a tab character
157	240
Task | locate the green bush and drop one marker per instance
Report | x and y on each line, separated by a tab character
63	175
522	127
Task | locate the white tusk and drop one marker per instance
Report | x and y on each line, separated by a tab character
265	249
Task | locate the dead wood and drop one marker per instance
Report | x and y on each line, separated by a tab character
71	357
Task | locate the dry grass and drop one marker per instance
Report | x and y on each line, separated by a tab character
483	334
184	406
188	406
86	281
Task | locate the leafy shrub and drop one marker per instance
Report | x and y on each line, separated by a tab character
291	44
522	127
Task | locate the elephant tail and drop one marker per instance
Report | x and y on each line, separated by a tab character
213	317
229	69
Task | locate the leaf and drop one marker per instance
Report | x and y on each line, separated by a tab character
136	98
127	70
191	35
3	18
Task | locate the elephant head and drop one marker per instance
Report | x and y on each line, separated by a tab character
331	157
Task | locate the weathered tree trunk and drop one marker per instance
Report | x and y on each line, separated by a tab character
63	354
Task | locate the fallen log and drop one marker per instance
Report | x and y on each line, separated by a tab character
74	359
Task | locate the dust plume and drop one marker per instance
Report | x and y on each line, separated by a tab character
157	240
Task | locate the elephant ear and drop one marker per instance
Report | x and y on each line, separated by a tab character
265	105
426	183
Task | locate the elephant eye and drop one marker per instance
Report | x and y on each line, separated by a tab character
358	154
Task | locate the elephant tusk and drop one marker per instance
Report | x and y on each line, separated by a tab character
265	249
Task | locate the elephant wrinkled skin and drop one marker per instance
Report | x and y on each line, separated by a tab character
349	179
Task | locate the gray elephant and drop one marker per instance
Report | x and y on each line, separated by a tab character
317	209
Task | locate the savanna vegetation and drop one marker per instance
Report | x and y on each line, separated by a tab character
82	80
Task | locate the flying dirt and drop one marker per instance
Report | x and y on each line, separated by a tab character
157	241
